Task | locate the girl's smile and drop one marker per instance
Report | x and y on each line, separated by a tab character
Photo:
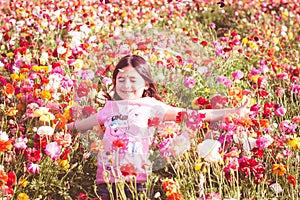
130	84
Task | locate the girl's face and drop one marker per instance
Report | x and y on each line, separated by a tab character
130	84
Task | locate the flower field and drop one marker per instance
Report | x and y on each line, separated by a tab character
56	61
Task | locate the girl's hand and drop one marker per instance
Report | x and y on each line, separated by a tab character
243	110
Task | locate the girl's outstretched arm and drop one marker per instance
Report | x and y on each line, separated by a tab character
85	124
210	114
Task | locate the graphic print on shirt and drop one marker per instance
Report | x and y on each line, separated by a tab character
130	125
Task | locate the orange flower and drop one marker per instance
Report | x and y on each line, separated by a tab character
264	123
45	94
279	169
97	146
11	111
60	120
3	178
292	180
9	89
5	145
63	139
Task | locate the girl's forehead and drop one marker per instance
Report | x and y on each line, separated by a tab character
128	71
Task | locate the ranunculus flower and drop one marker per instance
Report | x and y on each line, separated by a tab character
63	139
128	170
45	131
180	144
189	82
280	112
33	168
264	141
107	81
21	143
53	150
209	150
237	75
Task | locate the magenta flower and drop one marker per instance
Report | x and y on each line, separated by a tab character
280	112
287	127
212	25
33	168
225	81
264	142
53	150
237	75
189	82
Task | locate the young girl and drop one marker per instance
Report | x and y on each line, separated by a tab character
127	136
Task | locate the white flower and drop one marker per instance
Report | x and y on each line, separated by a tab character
209	150
61	50
3	136
45	130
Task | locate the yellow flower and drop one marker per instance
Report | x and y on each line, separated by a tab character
189	65
10	54
14	76
78	63
22	196
41	111
245	40
206	90
64	164
45	94
279	169
275	40
47	117
295	143
23	182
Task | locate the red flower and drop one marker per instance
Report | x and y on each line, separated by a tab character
201	101
153	121
119	143
263	93
292	180
180	116
11	178
88	110
128	170
33	155
82	196
204	43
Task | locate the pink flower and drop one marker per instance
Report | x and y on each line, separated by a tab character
287	127
180	144
225	81
280	92
20	143
33	168
53	150
189	82
280	112
106	81
282	76
237	75
264	142
212	25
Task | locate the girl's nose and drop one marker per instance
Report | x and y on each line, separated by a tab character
127	83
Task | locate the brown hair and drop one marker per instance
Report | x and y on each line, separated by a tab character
141	66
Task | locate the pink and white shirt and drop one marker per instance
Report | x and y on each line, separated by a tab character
127	138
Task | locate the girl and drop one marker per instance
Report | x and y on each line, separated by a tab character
125	117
